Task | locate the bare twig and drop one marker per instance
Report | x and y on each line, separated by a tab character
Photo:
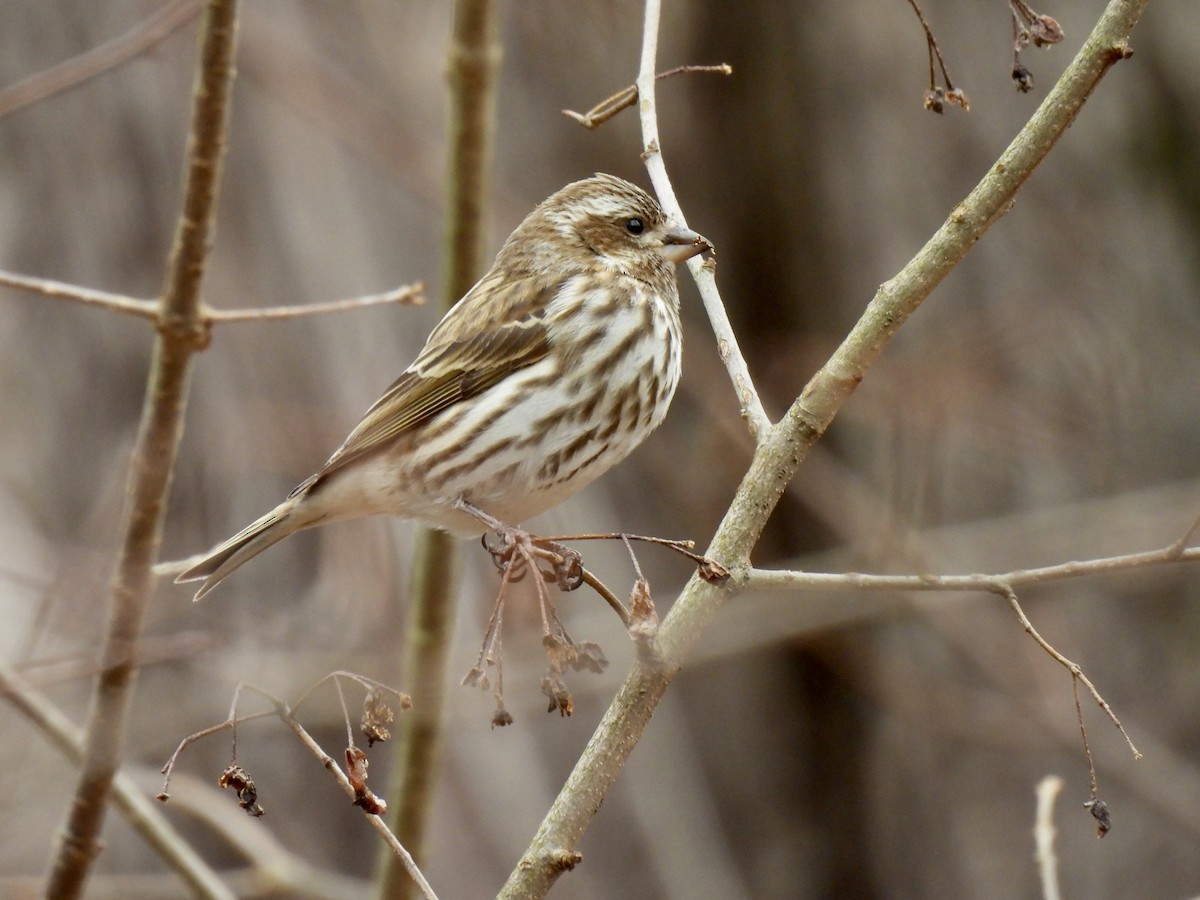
286	714
769	579
590	579
145	309
711	570
782	447
1087	749
761	579
144	36
375	821
230	724
627	96
1076	672
1003	584
702	271
409	294
180	334
412	294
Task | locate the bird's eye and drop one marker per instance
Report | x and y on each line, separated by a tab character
635	225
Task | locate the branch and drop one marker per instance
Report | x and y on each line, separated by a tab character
375	820
412	294
750	579
180	333
627	96
703	272
782	447
145	309
409	294
286	714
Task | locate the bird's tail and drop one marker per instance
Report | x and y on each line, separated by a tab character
252	540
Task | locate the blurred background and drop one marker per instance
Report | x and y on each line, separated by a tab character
1042	406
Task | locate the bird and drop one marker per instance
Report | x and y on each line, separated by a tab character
559	362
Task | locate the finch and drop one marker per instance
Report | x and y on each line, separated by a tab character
559	362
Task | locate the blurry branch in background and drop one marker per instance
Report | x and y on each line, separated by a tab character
180	334
1044	833
144	36
473	58
783	446
626	97
411	294
134	805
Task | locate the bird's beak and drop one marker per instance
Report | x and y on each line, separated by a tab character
683	243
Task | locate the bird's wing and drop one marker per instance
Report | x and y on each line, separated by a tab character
495	330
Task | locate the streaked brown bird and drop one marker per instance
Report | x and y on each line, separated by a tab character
548	372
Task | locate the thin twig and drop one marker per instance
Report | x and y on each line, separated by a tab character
1087	748
375	821
230	724
936	96
70	73
682	547
1076	672
1176	549
934	50
610	598
286	714
627	96
145	309
751	579
703	272
409	294
762	579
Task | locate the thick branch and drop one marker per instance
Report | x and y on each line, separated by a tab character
783	447
181	332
